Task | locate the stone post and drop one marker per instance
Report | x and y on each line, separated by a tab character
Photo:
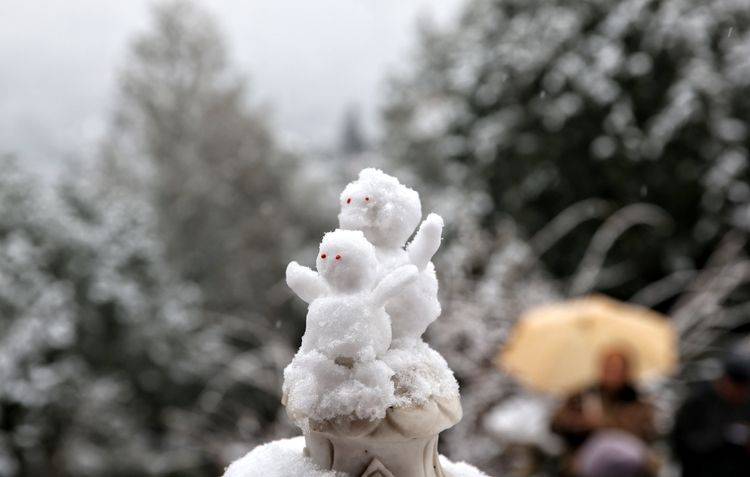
403	444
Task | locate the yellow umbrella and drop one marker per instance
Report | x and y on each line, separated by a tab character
557	348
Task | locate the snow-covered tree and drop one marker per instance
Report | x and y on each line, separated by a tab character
352	138
110	364
597	145
543	104
210	163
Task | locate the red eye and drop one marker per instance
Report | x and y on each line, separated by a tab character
338	257
367	199
323	256
349	200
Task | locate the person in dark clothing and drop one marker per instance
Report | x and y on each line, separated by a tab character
597	408
711	434
613	404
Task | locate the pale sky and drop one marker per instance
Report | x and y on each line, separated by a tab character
306	59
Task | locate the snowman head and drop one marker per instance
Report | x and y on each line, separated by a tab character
346	260
385	210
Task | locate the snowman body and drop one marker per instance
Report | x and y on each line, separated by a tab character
338	370
347	326
387	213
347	319
412	311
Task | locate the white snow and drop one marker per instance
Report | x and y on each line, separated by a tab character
420	373
410	373
414	310
284	458
346	317
460	469
523	420
388	212
318	388
346	260
371	299
347	327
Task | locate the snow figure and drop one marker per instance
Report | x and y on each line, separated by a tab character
387	212
336	371
346	320
370	396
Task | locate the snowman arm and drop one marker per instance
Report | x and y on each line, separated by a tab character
393	284
426	242
303	281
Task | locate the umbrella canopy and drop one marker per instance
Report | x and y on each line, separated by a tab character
558	348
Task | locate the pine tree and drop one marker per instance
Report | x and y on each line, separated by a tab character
352	137
212	167
540	105
100	342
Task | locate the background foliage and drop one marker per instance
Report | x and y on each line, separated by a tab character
572	146
601	146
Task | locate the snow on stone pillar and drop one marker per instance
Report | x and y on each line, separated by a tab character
370	396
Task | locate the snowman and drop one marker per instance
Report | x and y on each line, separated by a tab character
346	319
387	213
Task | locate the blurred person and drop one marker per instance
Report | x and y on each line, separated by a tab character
613	453
711	433
613	403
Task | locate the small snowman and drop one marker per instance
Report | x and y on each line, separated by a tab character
346	319
387	213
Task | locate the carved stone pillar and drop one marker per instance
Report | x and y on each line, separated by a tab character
403	444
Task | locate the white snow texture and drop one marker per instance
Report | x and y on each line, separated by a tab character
318	388
370	300
387	213
524	420
284	458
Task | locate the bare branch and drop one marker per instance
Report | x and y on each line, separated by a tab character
658	291
607	235
728	249
566	221
702	311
